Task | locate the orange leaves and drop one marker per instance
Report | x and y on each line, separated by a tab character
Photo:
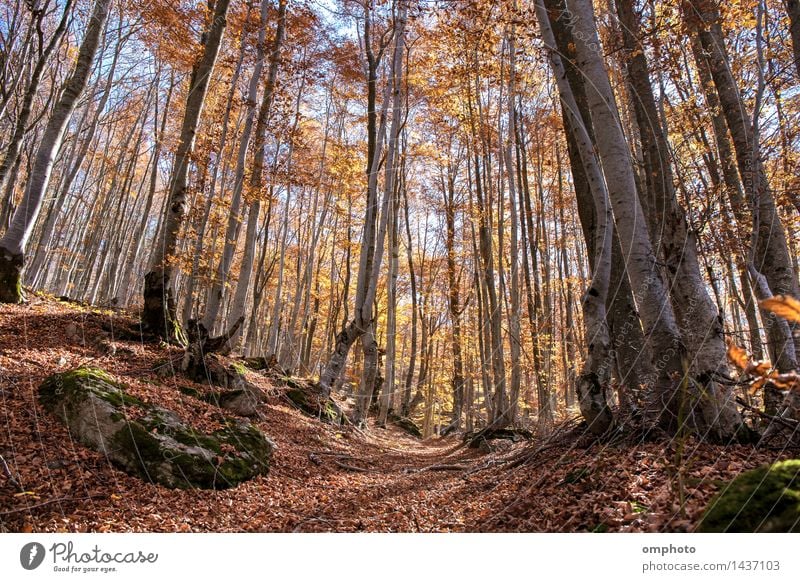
741	359
762	371
784	306
738	356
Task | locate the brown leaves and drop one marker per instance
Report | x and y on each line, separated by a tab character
739	357
784	306
762	371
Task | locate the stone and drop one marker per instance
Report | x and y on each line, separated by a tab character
406	424
308	398
766	499
157	446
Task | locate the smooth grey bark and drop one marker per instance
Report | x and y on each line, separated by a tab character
14	146
159	315
235	215
365	284
769	253
592	383
219	168
698	319
14	242
45	239
389	217
257	176
667	403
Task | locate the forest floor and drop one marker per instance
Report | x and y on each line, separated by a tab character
322	477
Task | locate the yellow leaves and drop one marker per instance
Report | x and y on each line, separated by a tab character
784	306
762	371
738	356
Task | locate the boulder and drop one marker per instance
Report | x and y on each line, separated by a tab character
766	499
158	445
405	424
243	401
308	398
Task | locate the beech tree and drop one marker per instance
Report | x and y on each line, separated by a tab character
14	242
515	212
159	315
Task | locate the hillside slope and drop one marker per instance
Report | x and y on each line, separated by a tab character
323	477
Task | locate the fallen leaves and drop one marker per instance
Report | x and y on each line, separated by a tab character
66	487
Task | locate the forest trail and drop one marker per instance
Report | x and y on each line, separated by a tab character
322	477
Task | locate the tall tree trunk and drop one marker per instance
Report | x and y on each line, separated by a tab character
220	283
657	315
14	146
593	382
697	317
373	238
159	315
453	297
770	252
14	242
793	10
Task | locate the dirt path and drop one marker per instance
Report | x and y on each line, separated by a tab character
322	478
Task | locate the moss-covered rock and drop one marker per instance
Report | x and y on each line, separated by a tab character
11	277
158	445
308	398
243	402
766	499
406	424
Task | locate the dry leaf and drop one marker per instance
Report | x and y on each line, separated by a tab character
783	305
738	357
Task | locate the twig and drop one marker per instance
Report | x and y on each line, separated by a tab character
57	500
787	422
438	467
10	475
351	467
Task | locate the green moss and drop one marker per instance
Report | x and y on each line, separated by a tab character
67	387
764	500
326	410
159	447
140	448
11	278
239	368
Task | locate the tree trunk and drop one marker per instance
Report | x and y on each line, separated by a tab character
793	10
14	242
159	315
592	383
220	283
640	262
770	253
698	319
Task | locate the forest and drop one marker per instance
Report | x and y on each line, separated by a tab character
399	265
